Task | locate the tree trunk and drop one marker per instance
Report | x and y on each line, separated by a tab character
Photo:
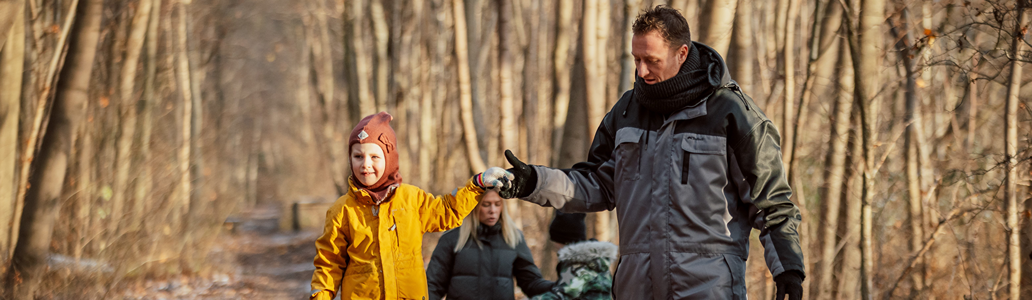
128	110
145	179
718	17
9	10
12	64
42	200
787	63
911	141
360	61
865	49
184	188
626	80
594	59
835	172
1014	256
848	285
381	33
563	66
742	56
507	105
476	163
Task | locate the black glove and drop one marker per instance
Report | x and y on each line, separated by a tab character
524	179
789	283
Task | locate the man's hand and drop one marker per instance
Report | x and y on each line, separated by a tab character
493	178
524	179
789	283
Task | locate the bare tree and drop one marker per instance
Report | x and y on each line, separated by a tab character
1014	255
744	56
476	163
42	200
185	189
719	16
864	48
9	9
12	58
128	110
565	31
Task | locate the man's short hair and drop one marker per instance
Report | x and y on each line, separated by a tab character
668	21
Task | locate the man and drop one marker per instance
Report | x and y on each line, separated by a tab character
691	165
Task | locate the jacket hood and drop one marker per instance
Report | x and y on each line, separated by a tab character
588	251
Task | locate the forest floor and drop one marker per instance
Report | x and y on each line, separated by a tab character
255	260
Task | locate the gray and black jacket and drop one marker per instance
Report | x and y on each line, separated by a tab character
688	186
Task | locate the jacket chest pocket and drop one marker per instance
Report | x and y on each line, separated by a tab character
703	160
627	154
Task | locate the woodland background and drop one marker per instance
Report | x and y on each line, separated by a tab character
132	130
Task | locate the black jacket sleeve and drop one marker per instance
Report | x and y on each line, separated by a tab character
528	276
756	145
439	272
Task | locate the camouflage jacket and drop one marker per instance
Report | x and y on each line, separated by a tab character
583	272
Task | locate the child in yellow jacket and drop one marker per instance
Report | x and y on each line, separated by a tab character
372	241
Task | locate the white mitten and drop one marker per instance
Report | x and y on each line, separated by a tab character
493	178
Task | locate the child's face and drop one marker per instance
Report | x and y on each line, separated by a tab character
489	211
367	163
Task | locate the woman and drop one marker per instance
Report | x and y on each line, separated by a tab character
480	258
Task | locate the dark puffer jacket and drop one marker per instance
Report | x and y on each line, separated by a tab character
483	273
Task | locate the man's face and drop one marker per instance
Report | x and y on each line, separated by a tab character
655	60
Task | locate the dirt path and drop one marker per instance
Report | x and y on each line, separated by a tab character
254	262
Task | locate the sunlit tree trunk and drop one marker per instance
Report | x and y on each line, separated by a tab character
1014	255
381	33
360	61
476	163
742	47
912	140
626	80
787	68
128	111
718	17
145	180
835	173
563	65
184	187
9	9
43	198
12	64
507	105
865	49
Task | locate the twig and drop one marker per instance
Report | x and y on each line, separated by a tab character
927	245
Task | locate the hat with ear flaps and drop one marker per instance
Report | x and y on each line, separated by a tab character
376	129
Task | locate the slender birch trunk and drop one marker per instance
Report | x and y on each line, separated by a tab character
184	188
145	179
787	63
1014	255
563	65
912	139
476	163
835	173
381	32
865	49
626	80
128	110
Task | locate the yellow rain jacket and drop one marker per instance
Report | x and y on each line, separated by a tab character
377	249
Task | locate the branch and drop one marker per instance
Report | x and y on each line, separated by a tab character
955	213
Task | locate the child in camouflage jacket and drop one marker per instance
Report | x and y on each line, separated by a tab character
583	272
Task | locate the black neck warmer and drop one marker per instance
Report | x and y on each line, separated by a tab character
696	79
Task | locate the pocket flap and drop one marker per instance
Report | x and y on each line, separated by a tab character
704	144
628	135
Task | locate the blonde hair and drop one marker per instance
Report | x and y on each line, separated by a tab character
471	224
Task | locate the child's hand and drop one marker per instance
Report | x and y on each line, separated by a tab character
494	177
